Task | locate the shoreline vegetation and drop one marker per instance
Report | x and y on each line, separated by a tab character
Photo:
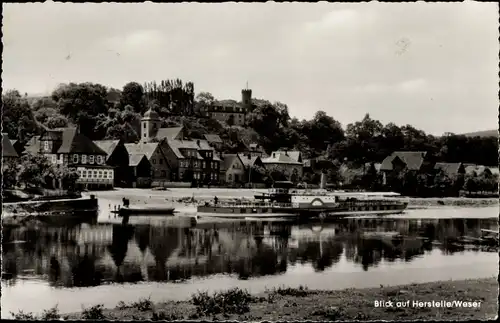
284	303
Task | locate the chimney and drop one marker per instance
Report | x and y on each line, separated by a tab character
198	142
323	181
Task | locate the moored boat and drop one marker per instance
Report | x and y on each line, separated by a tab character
305	204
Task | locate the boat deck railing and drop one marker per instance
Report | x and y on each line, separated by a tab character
247	205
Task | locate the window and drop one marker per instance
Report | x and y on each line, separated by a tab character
84	173
105	174
61	158
54	159
163	173
154	161
144	135
91	159
46	145
95	174
161	161
84	159
229	177
111	174
144	126
203	164
100	174
75	158
99	159
234	165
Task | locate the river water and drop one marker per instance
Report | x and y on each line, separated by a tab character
81	264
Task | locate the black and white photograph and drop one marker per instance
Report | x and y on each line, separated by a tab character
244	161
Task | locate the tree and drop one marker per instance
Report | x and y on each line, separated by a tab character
18	119
68	177
83	104
10	168
133	95
34	169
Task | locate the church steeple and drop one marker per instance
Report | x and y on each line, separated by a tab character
150	123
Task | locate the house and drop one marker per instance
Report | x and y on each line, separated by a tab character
404	160
293	154
214	141
32	146
255	149
451	170
151	130
160	169
140	170
8	151
250	163
290	166
233	169
68	147
118	157
193	160
230	111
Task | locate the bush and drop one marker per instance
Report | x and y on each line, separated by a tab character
23	316
51	314
143	305
93	313
233	301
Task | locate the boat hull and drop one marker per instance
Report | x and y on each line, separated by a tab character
126	211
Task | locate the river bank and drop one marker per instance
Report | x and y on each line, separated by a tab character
424	301
188	195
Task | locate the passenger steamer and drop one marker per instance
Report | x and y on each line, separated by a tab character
281	202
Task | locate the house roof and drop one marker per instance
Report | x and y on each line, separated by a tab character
412	159
478	169
248	162
33	145
135	159
7	148
142	148
280	158
450	169
108	146
293	154
74	142
151	114
228	160
170	133
178	145
213	138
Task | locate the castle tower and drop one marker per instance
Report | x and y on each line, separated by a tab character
150	123
246	98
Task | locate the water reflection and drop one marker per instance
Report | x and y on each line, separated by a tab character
90	255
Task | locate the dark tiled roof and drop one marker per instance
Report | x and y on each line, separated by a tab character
74	142
170	133
412	159
213	138
450	169
142	148
7	148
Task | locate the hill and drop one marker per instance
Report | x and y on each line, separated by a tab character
482	134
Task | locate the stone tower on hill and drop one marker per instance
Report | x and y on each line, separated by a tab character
246	99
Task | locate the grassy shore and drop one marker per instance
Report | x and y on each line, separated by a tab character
304	304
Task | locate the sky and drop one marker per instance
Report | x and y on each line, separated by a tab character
431	65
